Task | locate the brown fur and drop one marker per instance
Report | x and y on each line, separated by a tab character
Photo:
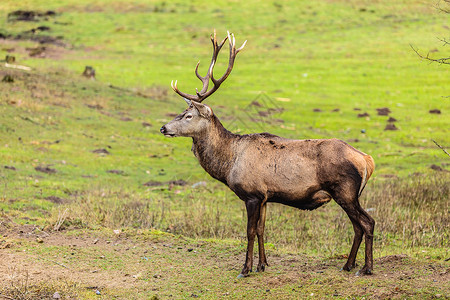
261	168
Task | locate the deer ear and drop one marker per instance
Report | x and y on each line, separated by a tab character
204	110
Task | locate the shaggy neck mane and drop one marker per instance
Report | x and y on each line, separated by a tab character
214	149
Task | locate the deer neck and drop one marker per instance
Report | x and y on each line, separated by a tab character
214	149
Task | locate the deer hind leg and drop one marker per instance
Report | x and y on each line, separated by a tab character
253	213
351	262
260	233
368	225
363	224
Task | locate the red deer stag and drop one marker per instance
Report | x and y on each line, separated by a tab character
263	167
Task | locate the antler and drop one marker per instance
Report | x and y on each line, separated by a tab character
204	93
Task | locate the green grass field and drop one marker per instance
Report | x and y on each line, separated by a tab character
76	153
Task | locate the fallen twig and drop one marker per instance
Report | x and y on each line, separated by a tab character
25	68
58	263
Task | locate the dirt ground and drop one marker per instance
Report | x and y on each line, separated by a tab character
78	264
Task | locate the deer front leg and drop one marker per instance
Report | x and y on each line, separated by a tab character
260	233
253	210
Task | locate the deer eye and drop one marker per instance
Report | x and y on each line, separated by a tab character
188	117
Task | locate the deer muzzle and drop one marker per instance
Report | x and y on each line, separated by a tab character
166	133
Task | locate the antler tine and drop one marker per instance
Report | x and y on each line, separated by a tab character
204	93
241	47
233	53
196	71
209	74
184	95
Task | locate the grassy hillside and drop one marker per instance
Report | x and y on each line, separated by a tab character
86	156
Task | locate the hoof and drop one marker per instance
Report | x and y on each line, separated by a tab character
241	276
364	271
261	268
347	268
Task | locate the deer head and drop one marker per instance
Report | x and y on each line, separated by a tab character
197	116
189	123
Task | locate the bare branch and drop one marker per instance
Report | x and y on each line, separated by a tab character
444	60
441	147
444	41
25	68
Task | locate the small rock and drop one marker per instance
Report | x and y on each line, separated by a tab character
435	111
56	295
256	103
39	240
96	241
391	119
438	168
46	169
116	231
100	151
98	292
179	182
154	183
119	172
383	111
363	115
390	126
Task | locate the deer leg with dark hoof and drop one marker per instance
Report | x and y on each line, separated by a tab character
351	261
262	263
364	271
261	267
245	271
253	208
348	267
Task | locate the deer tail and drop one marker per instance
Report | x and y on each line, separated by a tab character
368	170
